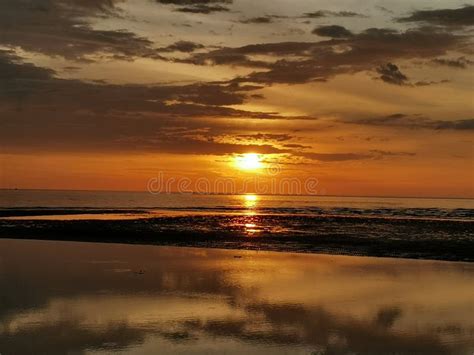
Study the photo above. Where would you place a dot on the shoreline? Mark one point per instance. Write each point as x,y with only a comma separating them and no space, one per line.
250,248
448,241
233,252
9,189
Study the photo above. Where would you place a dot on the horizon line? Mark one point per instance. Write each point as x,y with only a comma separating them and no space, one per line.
238,194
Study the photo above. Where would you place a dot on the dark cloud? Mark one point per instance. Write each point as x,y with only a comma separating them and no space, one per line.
197,6
463,16
96,5
319,61
13,69
339,157
242,55
265,137
61,28
181,46
193,2
296,146
390,73
461,62
386,317
334,157
258,20
289,32
401,120
457,125
203,9
326,13
71,68
384,153
333,31
262,19
177,145
49,113
429,82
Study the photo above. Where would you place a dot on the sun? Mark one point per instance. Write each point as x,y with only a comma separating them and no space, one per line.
248,161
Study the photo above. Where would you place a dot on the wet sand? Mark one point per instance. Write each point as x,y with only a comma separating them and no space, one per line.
415,238
95,298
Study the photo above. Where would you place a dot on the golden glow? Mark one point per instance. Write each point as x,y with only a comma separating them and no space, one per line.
250,201
251,228
251,198
248,161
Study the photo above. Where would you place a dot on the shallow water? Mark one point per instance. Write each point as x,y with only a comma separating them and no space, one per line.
65,297
88,201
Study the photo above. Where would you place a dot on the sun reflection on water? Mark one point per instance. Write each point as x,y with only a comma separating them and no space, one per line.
250,201
251,228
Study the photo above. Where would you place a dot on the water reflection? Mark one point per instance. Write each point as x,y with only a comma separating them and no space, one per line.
249,224
77,297
251,228
250,201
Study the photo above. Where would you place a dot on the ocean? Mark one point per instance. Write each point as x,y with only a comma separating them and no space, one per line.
374,226
87,201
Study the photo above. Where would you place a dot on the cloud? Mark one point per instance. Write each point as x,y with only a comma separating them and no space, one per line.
333,31
384,153
266,19
265,137
326,13
42,111
177,145
456,125
390,73
373,154
203,9
198,7
334,157
301,62
296,146
400,120
12,68
193,2
61,28
181,46
463,16
460,63
386,317
258,20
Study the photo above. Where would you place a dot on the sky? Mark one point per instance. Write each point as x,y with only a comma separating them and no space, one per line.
368,98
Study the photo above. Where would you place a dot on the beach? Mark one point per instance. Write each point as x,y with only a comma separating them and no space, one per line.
412,238
136,274
236,177
437,229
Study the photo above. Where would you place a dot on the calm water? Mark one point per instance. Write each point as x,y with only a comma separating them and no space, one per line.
308,205
80,298
404,227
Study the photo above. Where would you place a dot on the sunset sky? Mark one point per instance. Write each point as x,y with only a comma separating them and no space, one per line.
368,97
